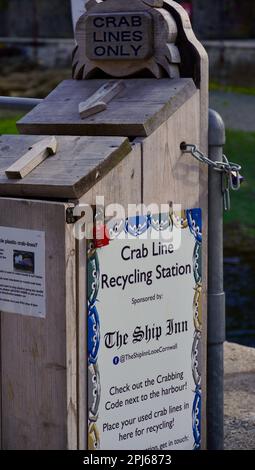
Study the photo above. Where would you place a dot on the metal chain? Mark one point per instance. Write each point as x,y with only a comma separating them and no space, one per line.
224,166
231,177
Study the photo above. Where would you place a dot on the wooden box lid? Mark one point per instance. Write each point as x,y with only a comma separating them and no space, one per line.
137,111
77,165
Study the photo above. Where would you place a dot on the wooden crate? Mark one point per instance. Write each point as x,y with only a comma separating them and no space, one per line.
44,360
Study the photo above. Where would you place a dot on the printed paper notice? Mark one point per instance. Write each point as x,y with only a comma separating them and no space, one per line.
22,272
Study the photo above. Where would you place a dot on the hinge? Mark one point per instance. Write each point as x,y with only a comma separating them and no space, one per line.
70,217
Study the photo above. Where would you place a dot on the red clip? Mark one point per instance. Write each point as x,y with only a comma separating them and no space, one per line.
101,236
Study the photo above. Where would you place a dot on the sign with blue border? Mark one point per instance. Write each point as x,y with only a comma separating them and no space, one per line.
144,334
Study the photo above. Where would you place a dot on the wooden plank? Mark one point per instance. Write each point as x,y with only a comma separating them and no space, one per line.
81,276
70,173
170,167
37,368
95,108
36,154
142,108
122,185
98,101
72,329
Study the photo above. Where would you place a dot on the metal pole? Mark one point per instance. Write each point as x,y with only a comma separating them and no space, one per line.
22,104
216,295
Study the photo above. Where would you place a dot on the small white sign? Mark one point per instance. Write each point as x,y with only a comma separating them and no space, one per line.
22,272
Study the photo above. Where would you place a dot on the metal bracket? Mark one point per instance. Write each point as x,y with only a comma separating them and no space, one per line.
70,217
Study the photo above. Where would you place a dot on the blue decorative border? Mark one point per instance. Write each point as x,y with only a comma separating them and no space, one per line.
194,217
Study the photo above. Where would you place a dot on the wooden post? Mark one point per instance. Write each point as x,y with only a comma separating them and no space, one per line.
111,313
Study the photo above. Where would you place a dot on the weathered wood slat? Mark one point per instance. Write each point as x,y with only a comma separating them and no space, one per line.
98,101
172,168
38,356
58,114
35,155
81,280
122,183
79,163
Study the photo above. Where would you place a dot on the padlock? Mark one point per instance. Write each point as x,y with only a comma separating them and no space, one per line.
236,180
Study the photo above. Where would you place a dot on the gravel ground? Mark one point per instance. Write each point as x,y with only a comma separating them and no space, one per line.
239,397
237,110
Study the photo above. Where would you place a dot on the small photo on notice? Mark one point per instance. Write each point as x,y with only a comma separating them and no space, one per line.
24,261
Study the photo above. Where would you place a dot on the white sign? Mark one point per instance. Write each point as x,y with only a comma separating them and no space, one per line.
144,342
22,272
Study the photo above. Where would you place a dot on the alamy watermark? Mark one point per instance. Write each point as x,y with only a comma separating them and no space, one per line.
162,222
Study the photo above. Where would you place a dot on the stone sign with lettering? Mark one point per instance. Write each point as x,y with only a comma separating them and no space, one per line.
122,39
118,36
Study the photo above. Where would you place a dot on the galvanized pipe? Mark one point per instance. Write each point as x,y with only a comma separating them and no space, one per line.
18,104
216,295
